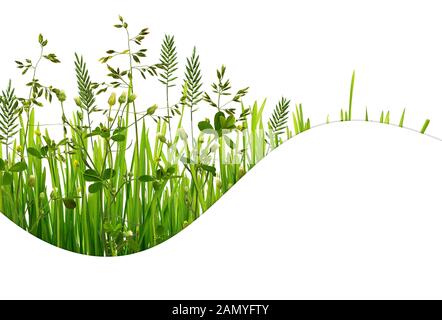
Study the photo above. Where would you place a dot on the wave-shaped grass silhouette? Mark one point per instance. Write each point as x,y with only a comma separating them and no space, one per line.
170,235
108,185
346,210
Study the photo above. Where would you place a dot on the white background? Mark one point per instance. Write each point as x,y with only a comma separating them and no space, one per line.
343,211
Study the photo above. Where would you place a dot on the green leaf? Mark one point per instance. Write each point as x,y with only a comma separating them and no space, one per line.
229,142
210,169
6,179
230,122
34,152
118,137
91,175
2,165
109,174
44,151
92,134
119,130
205,125
104,134
146,178
69,203
219,121
171,170
52,57
95,187
47,140
18,167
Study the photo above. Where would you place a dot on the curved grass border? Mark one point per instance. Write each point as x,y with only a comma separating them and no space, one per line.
98,192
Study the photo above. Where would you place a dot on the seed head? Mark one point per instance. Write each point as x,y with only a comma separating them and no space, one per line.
37,133
112,99
19,149
42,195
128,234
122,98
131,98
77,101
54,193
161,137
31,181
219,184
76,164
61,95
182,134
150,111
214,147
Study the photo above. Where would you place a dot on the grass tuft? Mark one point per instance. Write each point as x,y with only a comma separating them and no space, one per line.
118,179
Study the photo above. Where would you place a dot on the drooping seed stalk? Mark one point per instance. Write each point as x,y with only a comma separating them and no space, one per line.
27,110
31,89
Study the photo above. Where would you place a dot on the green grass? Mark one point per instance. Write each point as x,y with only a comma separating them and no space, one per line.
98,191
